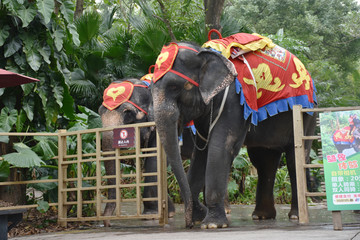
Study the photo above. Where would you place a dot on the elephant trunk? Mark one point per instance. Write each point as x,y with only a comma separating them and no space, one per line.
166,118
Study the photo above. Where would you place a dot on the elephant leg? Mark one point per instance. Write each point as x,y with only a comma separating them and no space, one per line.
196,179
215,189
290,162
227,203
266,162
110,207
219,160
151,207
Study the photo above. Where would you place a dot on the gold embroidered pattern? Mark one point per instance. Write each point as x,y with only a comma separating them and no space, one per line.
302,73
264,80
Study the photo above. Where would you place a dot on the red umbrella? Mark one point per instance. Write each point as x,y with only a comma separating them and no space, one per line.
10,79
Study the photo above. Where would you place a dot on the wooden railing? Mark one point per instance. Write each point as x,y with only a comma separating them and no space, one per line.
76,186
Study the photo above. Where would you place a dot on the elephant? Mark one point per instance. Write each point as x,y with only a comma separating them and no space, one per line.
135,108
195,83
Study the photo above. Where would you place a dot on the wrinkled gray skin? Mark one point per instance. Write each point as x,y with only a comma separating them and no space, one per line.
126,113
177,101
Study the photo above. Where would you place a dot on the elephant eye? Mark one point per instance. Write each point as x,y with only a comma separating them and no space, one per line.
129,116
174,88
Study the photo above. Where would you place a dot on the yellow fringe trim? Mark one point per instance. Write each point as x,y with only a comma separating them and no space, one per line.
253,46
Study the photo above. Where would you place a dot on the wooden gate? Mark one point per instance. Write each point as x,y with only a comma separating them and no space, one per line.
75,186
302,165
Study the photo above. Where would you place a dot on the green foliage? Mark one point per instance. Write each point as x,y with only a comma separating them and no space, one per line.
32,43
24,157
43,206
4,170
7,119
242,183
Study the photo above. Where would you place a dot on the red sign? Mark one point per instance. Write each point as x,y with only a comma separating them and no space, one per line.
124,137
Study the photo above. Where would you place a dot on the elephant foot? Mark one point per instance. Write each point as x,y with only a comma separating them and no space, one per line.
293,215
215,218
227,206
109,209
263,215
149,211
107,223
227,210
199,212
171,211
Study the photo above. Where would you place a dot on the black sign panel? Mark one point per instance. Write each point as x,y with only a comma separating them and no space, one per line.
124,137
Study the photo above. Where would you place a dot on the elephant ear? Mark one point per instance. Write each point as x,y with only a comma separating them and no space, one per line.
217,72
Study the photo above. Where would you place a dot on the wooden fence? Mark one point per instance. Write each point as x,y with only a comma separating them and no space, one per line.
72,187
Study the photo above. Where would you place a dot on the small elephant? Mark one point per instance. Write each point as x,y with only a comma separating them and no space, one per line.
123,106
191,82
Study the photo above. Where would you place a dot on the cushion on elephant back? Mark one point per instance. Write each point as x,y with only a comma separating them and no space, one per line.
270,78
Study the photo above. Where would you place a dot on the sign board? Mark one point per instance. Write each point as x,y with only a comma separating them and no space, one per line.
340,138
123,137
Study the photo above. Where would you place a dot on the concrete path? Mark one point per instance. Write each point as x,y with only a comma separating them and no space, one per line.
241,227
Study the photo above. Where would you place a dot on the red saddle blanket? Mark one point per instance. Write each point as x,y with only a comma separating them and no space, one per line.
343,136
270,78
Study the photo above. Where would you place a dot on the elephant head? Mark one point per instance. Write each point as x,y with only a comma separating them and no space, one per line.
127,102
186,78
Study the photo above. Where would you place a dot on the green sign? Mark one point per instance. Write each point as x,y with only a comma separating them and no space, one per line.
340,138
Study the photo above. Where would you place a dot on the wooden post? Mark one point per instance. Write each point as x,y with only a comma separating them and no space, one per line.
98,173
336,215
138,170
79,175
300,162
62,195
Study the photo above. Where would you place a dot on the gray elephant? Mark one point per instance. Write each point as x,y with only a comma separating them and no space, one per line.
191,82
126,102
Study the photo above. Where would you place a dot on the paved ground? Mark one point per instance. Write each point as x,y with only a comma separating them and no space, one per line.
241,227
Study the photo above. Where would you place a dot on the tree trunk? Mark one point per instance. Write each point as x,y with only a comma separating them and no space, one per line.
165,19
15,194
213,11
79,8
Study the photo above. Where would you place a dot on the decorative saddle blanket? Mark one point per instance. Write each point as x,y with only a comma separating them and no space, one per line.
119,92
343,136
270,78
